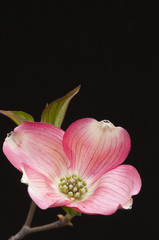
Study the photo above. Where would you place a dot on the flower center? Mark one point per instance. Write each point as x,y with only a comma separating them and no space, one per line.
73,186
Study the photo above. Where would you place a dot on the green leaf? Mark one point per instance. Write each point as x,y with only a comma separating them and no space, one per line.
54,112
71,211
17,116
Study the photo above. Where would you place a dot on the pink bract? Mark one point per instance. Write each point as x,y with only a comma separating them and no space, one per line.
80,168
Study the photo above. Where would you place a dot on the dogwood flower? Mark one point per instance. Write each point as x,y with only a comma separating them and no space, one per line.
80,168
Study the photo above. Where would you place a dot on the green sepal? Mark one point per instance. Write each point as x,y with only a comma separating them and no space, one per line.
54,112
18,116
71,211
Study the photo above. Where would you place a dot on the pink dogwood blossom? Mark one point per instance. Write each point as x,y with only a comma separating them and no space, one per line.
79,168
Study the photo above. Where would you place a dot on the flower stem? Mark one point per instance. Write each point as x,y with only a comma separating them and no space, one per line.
63,221
26,229
30,214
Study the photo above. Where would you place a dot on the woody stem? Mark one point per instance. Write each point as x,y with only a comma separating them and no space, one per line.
30,214
26,229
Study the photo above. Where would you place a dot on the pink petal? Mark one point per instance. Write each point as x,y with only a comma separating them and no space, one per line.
114,190
95,147
42,191
39,146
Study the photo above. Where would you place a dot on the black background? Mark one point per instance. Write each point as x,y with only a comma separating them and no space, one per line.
111,50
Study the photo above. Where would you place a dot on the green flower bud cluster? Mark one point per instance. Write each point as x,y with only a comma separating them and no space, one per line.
73,186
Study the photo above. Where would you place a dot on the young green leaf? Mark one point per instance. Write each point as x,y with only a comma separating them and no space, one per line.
17,116
54,112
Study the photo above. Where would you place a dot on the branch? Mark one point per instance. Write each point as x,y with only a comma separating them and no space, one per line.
26,226
26,230
30,214
63,221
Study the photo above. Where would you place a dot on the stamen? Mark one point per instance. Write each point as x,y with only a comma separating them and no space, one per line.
77,195
75,189
70,194
79,184
73,186
70,186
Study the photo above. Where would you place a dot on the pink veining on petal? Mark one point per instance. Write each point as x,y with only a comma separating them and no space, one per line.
42,191
38,145
95,147
114,190
93,150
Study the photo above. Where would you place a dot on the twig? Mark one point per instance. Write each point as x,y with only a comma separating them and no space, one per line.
26,229
30,214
